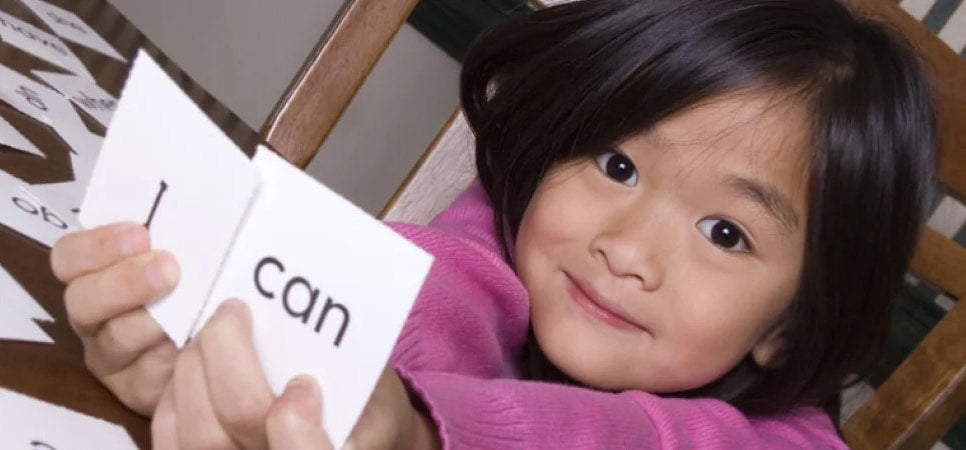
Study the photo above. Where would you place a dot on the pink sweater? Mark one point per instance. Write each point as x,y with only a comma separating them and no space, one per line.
461,346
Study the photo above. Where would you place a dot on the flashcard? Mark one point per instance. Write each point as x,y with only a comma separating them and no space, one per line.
29,423
26,216
12,138
65,197
165,164
304,260
84,148
36,100
62,198
18,309
68,26
24,94
15,326
40,43
84,93
9,287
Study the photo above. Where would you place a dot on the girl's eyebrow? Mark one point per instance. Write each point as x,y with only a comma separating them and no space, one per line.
770,197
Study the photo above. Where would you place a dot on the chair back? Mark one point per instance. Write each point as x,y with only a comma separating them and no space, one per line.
926,394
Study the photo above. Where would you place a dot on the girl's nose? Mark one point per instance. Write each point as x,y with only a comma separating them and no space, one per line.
631,251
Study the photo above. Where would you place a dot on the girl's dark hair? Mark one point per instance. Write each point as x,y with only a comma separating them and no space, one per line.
569,81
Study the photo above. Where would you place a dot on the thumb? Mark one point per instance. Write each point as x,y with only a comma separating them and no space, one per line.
293,419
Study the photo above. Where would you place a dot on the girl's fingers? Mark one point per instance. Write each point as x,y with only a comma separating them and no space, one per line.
237,386
164,423
293,420
88,251
140,384
198,426
128,285
122,340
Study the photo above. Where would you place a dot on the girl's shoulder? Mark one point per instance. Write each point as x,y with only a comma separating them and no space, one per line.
464,231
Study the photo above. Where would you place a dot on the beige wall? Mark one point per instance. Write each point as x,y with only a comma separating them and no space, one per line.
245,52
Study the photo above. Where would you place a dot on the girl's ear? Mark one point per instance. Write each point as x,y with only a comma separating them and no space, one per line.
768,351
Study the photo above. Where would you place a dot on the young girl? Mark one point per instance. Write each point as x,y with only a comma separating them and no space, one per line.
690,220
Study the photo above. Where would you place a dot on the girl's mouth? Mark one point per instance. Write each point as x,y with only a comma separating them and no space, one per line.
599,307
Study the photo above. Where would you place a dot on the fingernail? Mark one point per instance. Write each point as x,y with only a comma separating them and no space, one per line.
301,392
300,385
162,272
234,306
131,241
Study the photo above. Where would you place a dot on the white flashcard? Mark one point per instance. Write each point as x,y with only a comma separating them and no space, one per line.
165,164
14,326
29,423
40,43
84,149
10,288
68,26
36,100
11,137
65,197
24,94
62,198
18,309
84,93
306,261
26,215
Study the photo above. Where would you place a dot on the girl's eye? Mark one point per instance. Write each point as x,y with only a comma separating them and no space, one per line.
618,167
724,234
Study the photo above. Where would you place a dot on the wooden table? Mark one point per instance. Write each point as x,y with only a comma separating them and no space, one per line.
56,373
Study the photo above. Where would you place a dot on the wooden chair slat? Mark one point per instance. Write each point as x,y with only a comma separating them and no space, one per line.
446,168
923,398
942,262
321,91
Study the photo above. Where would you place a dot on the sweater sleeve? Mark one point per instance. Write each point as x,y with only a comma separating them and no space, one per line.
473,412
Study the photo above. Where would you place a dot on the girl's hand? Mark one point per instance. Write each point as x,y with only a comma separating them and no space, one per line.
389,420
111,274
219,398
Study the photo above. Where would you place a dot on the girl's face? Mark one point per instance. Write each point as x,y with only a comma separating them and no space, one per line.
661,264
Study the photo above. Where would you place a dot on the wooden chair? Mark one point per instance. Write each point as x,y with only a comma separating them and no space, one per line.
921,399
926,394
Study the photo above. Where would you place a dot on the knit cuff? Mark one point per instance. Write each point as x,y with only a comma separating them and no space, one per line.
467,415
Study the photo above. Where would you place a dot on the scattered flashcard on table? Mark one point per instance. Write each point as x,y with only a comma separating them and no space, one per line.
68,26
62,198
40,43
18,309
14,326
84,149
29,423
84,93
10,287
304,261
12,138
36,100
165,164
24,94
26,216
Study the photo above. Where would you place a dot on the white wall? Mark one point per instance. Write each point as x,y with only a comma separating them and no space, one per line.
245,53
